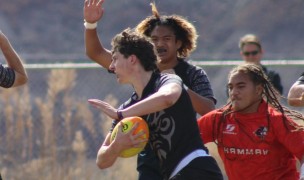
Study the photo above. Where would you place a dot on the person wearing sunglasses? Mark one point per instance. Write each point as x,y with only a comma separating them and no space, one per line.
252,52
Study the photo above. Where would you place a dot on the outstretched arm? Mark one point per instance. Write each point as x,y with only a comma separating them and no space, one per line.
93,12
14,63
165,97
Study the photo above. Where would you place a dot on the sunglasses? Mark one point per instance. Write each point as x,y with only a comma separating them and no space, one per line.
253,53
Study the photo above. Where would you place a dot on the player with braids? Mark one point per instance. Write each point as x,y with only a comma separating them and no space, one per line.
257,137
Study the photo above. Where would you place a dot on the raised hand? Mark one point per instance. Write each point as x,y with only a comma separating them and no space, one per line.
92,10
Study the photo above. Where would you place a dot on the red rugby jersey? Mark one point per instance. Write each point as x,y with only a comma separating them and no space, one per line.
251,147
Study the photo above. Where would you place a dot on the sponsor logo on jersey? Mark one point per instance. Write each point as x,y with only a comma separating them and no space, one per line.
244,151
230,129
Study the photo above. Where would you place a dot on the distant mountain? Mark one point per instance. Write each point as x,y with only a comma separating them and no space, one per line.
45,30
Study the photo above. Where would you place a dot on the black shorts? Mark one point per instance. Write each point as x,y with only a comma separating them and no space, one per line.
200,168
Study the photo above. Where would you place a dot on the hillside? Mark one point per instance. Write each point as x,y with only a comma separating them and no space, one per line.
53,30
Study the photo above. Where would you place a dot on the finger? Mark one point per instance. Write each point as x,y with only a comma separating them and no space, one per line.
139,134
140,143
86,3
100,2
95,101
133,128
120,126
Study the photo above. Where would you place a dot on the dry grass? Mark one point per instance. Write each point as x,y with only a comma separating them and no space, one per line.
52,145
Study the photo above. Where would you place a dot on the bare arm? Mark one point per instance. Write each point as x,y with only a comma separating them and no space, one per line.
109,152
93,12
165,97
13,61
201,105
296,95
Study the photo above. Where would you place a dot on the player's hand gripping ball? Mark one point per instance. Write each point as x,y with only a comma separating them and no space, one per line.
128,123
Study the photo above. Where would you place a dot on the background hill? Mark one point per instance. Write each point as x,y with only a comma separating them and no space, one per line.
53,30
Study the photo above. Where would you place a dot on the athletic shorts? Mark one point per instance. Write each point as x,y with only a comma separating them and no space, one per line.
199,169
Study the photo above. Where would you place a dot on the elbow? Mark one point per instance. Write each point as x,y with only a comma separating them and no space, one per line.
170,99
102,164
24,80
21,80
290,102
293,102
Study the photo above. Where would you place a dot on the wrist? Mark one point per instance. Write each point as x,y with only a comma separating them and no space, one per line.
88,25
119,115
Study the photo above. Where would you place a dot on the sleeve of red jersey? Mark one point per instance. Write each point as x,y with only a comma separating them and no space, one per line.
291,138
205,124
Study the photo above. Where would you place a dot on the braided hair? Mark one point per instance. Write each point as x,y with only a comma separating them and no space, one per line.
270,95
182,28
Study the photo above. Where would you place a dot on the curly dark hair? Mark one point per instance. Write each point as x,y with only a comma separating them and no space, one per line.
182,28
130,42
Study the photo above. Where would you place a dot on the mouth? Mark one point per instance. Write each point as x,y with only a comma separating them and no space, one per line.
161,51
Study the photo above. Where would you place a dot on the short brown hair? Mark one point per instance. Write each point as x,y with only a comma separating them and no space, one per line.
250,39
130,42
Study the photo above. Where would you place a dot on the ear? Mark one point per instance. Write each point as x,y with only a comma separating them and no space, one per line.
179,44
259,89
133,58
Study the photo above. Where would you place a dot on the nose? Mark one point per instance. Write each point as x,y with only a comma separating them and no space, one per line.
233,92
158,43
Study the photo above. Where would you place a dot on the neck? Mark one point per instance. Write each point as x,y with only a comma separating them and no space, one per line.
140,83
163,65
252,108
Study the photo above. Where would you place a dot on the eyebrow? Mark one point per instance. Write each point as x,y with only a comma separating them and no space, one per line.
169,35
239,83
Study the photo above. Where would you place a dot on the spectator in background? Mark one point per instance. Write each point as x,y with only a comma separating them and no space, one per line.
296,93
174,38
15,74
164,104
252,52
256,136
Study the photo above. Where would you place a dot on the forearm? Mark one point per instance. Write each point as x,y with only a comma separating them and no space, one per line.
201,105
107,154
295,95
156,102
95,50
296,102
